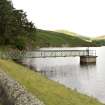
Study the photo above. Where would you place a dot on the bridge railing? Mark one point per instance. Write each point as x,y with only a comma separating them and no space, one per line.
46,53
63,53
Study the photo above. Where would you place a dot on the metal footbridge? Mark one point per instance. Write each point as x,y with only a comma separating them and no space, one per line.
46,53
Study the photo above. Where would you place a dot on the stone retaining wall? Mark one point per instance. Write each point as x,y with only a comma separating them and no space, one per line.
13,93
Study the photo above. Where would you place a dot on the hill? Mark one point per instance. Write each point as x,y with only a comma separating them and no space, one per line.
99,41
56,39
102,37
67,32
74,34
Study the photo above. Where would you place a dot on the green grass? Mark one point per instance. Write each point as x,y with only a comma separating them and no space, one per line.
99,41
56,39
50,92
73,34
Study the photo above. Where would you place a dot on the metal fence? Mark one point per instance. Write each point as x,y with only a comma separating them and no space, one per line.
46,53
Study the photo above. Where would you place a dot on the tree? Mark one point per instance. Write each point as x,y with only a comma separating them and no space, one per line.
13,24
5,15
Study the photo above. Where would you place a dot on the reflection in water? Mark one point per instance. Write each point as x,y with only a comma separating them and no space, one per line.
88,79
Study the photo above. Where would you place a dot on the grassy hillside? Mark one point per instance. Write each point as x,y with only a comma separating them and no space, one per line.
56,39
74,34
99,41
50,92
100,37
67,32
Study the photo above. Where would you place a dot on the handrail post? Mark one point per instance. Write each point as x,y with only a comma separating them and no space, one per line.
87,50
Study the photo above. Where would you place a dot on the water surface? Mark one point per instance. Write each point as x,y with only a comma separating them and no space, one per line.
87,79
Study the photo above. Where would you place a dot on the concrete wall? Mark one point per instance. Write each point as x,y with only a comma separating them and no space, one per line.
88,59
12,93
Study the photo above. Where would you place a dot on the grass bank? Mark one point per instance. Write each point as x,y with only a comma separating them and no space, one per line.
50,92
46,38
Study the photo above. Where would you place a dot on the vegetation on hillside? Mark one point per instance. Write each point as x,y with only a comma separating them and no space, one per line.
50,92
100,37
55,39
74,34
15,29
100,42
17,32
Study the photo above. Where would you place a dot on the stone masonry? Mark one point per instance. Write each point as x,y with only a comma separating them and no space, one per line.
15,94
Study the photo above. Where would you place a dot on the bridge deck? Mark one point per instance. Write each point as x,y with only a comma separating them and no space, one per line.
46,53
64,53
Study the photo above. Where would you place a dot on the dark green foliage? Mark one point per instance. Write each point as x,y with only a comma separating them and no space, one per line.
5,15
20,43
14,25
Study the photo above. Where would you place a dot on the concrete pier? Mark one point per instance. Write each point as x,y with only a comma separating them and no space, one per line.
87,59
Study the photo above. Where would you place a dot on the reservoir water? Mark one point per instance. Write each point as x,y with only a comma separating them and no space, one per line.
87,79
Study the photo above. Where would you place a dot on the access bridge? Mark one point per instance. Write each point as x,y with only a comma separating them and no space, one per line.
88,56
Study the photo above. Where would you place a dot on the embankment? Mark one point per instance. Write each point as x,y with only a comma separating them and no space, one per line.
12,93
50,92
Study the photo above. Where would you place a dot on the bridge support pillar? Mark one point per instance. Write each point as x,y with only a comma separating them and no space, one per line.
87,59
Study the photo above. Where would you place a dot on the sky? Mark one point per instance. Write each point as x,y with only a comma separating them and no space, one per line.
86,17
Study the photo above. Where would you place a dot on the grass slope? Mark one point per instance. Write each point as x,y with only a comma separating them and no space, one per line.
74,34
50,92
99,41
102,37
56,39
67,32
